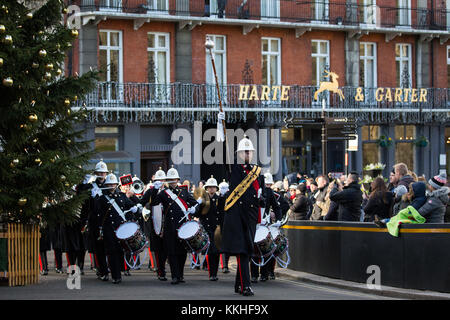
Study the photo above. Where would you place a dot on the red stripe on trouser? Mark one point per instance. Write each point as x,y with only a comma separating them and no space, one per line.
67,258
90,258
40,262
96,260
207,263
125,263
221,260
240,272
151,258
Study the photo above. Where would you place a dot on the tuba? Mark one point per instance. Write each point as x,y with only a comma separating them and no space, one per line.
206,203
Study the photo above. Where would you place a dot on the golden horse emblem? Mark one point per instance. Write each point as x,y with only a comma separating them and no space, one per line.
332,85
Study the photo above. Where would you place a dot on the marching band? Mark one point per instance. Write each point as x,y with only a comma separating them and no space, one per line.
118,222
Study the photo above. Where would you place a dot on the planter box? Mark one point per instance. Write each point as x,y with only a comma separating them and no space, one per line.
21,255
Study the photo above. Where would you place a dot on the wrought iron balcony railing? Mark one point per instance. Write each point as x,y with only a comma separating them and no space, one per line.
431,104
296,11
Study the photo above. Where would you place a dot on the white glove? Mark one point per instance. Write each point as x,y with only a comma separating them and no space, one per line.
157,184
191,210
96,192
259,193
199,200
134,209
223,190
139,206
221,116
277,224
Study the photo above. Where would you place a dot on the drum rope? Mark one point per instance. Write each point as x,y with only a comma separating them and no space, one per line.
193,253
284,264
134,267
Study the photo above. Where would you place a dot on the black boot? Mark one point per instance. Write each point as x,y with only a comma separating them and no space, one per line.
248,292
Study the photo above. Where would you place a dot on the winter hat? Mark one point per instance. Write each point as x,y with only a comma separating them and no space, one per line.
438,181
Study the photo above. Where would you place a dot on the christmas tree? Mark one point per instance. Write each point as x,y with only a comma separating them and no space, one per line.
42,154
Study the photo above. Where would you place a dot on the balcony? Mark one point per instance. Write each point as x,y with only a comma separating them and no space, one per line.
283,13
147,102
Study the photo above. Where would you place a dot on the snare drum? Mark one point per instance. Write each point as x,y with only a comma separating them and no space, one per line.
280,240
131,238
158,219
195,236
263,243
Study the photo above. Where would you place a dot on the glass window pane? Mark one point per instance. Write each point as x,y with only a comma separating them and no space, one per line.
370,50
399,132
102,39
151,40
162,68
410,132
314,47
365,133
397,50
219,43
274,45
264,70
114,39
151,68
314,72
370,74
323,47
114,65
404,152
107,130
448,76
362,51
107,144
374,132
361,73
265,45
219,67
162,41
273,70
103,65
371,153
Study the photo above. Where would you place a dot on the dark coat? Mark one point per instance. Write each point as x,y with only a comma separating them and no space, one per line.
211,220
241,219
93,217
272,203
320,196
156,241
172,216
284,204
44,241
349,201
300,207
377,206
110,220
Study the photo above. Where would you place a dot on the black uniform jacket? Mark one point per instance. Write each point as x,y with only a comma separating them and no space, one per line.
172,216
110,220
240,220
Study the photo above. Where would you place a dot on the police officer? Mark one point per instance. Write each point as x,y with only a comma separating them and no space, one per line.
271,206
210,220
242,212
177,204
113,206
157,245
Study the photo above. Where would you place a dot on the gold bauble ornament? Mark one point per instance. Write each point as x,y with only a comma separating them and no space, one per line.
58,46
49,66
75,98
68,112
52,160
47,76
8,82
16,161
22,202
67,102
64,11
67,184
2,28
58,72
68,141
37,160
74,33
32,117
8,39
63,178
42,53
35,140
35,65
1,62
29,15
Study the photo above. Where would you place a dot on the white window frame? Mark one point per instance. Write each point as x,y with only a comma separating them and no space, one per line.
448,13
317,71
211,92
401,5
401,59
105,5
272,10
370,12
108,49
153,4
370,91
318,16
272,53
162,92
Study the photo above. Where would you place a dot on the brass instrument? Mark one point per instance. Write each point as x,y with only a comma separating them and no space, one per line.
137,186
206,202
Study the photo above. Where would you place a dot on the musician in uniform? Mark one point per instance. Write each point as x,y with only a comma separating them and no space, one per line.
178,204
242,212
157,245
111,207
223,189
271,205
92,223
210,217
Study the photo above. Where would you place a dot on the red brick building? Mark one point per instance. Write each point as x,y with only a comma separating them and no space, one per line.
157,77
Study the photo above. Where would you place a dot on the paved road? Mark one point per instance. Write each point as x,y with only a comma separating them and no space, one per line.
143,284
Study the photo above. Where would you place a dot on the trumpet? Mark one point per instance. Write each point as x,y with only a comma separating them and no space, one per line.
137,186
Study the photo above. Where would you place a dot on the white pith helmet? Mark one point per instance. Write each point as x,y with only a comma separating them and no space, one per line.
268,179
172,175
245,145
101,167
211,183
111,179
224,184
160,175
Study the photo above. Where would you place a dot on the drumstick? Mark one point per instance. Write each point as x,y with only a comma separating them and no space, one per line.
186,216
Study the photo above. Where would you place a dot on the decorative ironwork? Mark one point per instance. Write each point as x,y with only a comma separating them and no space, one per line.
247,73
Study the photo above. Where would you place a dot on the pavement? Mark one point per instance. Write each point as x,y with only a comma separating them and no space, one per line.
385,291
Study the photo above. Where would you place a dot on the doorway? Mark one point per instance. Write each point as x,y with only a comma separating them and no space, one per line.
151,162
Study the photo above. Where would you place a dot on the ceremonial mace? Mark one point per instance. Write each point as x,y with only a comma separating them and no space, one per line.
209,44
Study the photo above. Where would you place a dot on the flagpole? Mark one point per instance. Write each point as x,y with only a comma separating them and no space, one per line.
209,45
